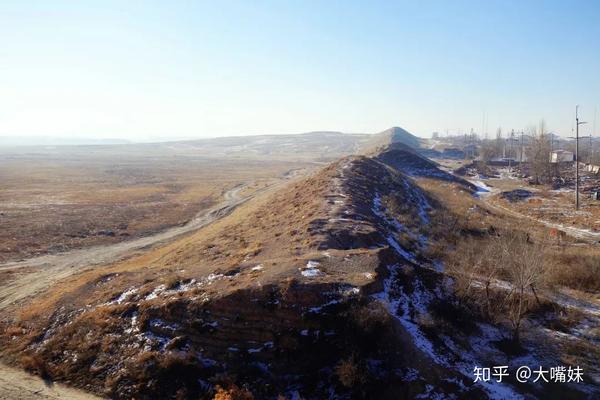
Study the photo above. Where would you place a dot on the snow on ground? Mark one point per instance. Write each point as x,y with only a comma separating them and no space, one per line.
419,198
154,294
482,188
311,270
407,309
159,323
507,173
124,296
379,210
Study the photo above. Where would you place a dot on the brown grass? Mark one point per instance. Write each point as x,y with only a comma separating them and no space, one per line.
349,373
35,364
577,269
233,392
55,203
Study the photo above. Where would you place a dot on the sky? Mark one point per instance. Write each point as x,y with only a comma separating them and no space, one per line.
171,69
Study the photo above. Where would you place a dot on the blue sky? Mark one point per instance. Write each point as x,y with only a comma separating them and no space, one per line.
140,69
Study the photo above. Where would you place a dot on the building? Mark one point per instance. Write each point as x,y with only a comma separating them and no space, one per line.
559,156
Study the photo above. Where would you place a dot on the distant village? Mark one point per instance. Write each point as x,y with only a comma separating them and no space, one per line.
539,156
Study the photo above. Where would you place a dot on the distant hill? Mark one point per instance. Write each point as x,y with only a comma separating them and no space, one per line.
389,137
319,146
9,141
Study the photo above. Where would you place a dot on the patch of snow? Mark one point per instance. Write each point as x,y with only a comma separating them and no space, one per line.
259,267
411,375
482,188
211,278
319,308
181,287
159,323
353,291
152,338
311,270
134,327
154,294
379,210
124,296
392,242
398,304
311,273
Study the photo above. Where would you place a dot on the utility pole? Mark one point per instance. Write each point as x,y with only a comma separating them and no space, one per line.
510,154
593,134
521,155
591,151
483,128
577,123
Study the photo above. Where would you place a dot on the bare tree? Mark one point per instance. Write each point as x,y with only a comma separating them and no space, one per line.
523,263
475,269
499,142
489,150
478,266
538,153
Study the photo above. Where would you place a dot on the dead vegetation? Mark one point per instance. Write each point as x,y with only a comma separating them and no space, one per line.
234,392
575,268
56,200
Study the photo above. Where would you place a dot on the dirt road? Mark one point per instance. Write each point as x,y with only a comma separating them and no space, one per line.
19,385
577,233
489,196
35,274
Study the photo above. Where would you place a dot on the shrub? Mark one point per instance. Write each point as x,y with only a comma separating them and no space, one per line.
172,282
576,271
477,266
370,317
349,373
234,392
34,364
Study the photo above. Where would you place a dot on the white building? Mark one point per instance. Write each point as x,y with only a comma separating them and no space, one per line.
558,156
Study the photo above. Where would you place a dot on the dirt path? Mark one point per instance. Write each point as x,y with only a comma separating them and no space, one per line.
19,385
30,276
577,233
489,194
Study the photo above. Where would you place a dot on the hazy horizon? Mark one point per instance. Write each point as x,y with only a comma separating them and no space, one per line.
196,70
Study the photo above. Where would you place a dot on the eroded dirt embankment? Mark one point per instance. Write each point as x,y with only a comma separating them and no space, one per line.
274,297
324,288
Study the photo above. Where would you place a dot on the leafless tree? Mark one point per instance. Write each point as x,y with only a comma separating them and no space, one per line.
475,268
499,276
523,263
499,142
538,153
